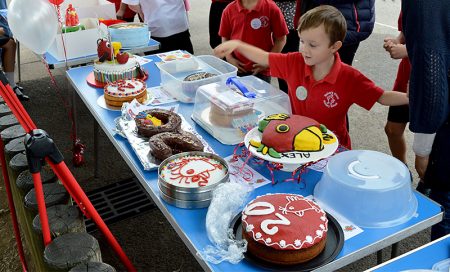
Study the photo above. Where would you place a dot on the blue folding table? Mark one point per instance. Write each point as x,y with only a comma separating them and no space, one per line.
423,257
190,224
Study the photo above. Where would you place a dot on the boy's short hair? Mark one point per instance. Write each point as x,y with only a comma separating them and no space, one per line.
331,18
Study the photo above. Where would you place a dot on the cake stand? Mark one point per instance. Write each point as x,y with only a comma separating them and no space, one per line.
290,160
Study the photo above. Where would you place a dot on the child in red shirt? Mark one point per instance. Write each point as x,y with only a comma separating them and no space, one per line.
257,22
320,86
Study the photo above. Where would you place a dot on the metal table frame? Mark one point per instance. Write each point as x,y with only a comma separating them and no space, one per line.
189,224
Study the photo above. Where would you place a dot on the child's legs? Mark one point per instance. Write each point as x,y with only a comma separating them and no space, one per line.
177,41
215,15
398,117
8,46
347,53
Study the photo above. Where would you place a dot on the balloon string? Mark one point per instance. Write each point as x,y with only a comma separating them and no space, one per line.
64,101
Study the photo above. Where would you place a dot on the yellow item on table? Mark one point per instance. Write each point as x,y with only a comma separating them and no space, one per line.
116,47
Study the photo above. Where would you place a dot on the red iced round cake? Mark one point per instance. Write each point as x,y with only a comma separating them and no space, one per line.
284,229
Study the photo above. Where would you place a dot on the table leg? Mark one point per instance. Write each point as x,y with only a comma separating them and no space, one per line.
95,149
379,256
394,250
19,72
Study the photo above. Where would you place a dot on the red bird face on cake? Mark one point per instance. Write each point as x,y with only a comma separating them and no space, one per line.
283,133
104,50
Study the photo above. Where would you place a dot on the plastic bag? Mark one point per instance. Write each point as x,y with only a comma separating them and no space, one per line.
228,199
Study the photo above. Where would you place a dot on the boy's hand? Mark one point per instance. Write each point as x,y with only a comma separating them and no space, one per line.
236,63
226,48
2,31
398,51
258,68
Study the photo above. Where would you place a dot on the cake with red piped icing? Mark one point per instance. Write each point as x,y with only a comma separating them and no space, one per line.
120,91
193,171
284,229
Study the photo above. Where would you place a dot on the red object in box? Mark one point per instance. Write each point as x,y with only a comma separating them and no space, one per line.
72,16
109,22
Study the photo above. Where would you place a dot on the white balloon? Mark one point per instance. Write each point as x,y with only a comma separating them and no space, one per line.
34,23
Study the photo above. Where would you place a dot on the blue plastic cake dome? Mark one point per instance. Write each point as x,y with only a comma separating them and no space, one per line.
369,188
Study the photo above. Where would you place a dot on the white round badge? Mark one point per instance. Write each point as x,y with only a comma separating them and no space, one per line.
256,23
301,93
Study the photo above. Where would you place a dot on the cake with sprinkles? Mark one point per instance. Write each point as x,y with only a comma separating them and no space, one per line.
120,91
284,229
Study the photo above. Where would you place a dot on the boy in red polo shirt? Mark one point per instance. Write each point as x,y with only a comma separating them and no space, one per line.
320,86
257,22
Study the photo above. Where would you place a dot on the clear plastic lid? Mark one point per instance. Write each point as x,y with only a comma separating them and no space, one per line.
228,109
369,188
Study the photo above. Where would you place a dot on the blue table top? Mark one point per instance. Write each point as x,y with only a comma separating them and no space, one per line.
190,224
421,258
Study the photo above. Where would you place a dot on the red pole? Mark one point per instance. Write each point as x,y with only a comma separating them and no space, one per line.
12,209
41,207
66,177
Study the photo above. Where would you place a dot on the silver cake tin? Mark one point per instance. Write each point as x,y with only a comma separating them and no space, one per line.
183,197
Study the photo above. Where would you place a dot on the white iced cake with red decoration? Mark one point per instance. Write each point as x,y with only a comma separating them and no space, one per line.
112,70
193,171
120,91
284,229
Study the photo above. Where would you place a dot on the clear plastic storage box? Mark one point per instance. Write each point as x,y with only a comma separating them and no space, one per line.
174,74
228,113
370,188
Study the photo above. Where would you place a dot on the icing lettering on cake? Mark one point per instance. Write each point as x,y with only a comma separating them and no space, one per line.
193,171
285,221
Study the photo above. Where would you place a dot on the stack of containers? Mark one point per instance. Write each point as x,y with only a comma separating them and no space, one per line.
173,75
187,180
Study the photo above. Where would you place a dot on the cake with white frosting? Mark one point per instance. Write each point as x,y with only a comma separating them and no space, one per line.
193,171
284,229
120,91
109,71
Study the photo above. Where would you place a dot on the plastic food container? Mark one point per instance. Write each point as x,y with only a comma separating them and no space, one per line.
174,73
443,265
180,178
369,188
228,113
130,34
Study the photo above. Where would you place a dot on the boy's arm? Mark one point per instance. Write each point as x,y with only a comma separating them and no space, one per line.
234,61
278,44
251,52
393,98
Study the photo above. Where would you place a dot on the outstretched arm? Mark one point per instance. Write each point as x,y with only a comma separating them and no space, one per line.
393,98
251,52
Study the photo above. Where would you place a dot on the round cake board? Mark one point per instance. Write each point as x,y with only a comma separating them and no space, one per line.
102,103
335,242
90,79
290,160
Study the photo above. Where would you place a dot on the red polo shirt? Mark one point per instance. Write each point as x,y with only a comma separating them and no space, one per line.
327,100
255,27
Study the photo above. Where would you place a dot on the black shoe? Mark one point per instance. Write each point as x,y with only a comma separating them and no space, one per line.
19,92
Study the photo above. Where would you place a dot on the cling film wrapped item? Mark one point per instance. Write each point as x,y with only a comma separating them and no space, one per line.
228,200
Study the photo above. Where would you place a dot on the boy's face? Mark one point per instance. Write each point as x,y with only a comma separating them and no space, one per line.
315,46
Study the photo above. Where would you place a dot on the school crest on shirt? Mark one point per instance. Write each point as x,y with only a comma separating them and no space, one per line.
331,99
262,21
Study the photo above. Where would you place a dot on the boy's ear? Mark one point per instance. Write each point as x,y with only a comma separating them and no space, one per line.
336,46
